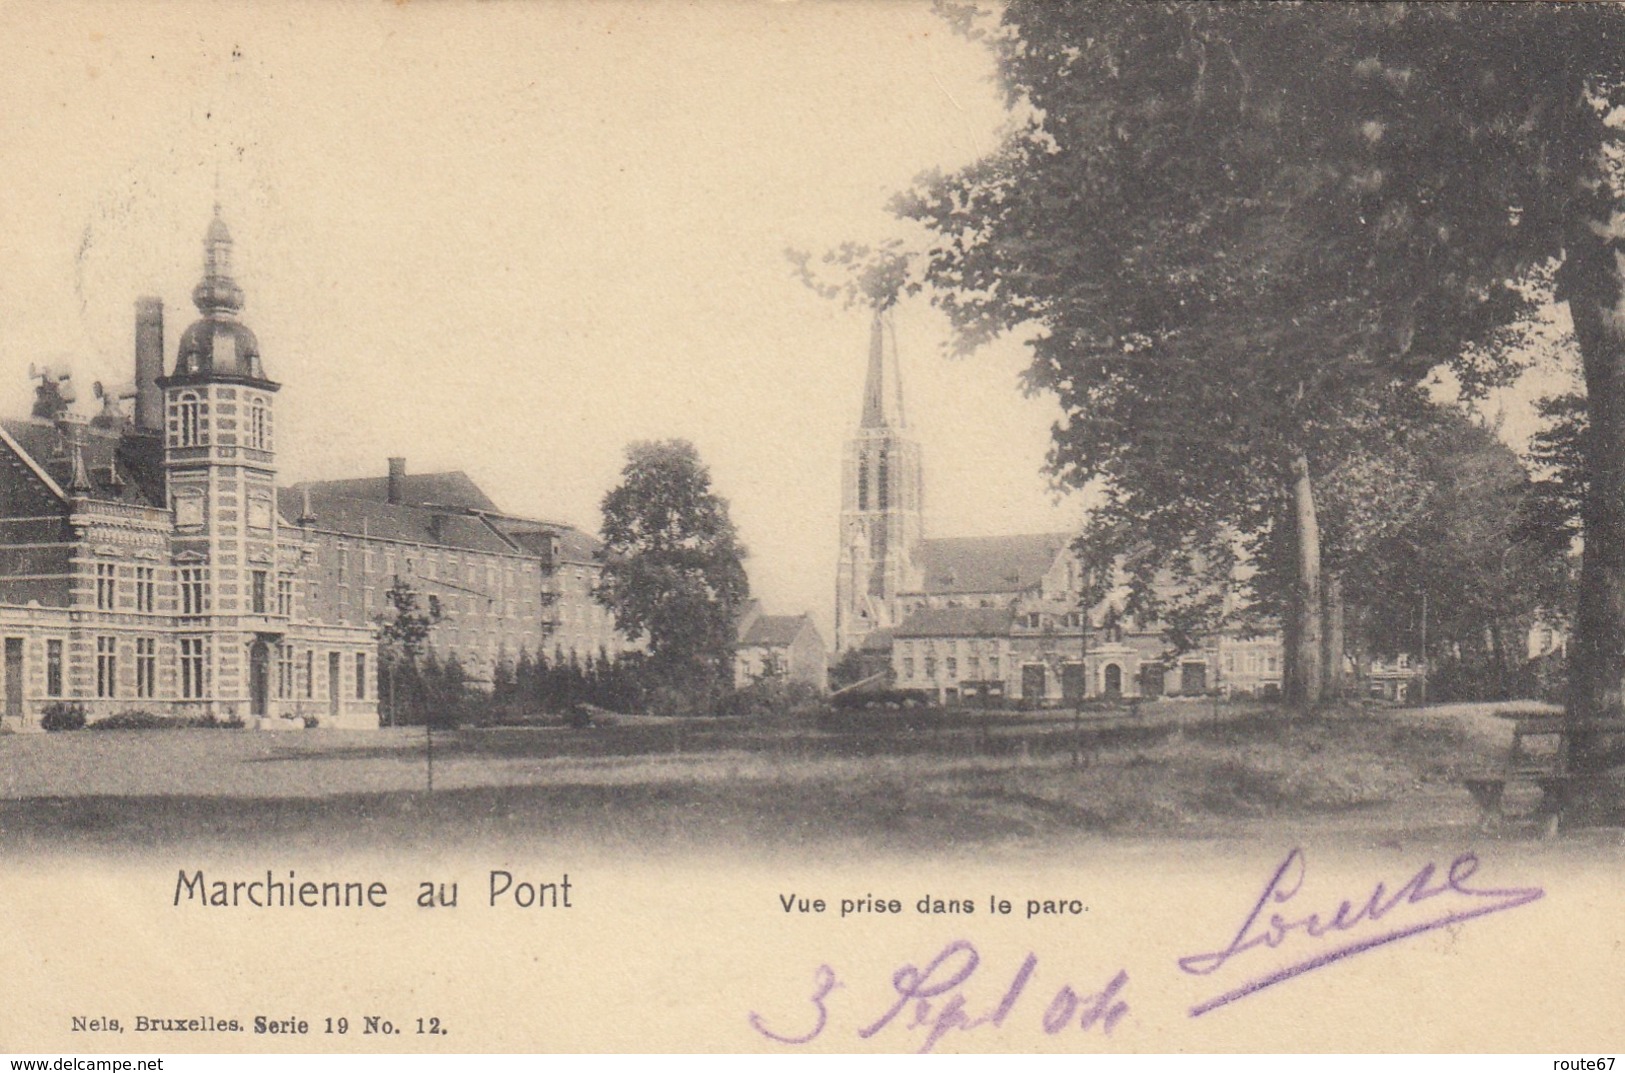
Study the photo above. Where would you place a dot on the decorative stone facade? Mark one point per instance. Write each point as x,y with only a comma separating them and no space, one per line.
149,561
143,562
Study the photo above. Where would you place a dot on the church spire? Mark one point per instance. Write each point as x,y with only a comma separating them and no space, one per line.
882,518
883,391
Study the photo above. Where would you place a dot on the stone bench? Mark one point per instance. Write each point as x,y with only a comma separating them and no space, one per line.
1563,793
1522,764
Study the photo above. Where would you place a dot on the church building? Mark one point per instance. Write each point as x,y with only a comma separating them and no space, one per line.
149,561
991,619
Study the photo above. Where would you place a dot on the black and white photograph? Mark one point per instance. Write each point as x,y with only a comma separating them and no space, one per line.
811,526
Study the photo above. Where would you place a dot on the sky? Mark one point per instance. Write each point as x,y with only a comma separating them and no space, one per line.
512,238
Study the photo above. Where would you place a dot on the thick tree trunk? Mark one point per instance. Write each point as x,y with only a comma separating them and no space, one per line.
1334,655
1307,677
1498,653
1289,647
1593,284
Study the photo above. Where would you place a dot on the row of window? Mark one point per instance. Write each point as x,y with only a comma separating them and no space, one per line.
973,667
190,424
1038,620
431,567
192,667
194,590
581,617
1253,663
146,587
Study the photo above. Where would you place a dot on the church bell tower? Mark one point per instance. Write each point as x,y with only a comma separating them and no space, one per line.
881,493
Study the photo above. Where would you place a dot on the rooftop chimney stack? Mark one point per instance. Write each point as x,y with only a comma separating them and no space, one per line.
397,480
149,364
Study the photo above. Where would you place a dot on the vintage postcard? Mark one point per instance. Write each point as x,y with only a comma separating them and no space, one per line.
809,527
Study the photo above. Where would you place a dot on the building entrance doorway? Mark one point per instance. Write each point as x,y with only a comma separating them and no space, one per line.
259,679
14,677
1032,682
1114,681
1072,682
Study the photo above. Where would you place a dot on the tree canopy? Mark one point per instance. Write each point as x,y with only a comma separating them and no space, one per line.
1463,547
674,569
1245,231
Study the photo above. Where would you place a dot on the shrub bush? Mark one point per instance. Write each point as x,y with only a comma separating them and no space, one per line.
882,699
138,719
697,698
773,697
141,719
60,716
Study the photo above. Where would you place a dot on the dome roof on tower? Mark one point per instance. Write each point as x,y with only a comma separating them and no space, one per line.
213,347
218,345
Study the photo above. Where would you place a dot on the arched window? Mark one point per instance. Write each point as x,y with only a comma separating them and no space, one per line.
191,420
259,426
863,482
883,481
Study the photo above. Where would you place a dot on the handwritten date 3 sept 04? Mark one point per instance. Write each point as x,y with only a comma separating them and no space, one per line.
1311,933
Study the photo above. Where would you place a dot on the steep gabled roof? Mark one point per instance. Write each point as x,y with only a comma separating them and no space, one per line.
394,521
451,489
775,630
988,564
956,622
878,641
137,460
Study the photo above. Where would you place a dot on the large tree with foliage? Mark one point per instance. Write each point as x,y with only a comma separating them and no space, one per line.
1462,562
1235,223
673,567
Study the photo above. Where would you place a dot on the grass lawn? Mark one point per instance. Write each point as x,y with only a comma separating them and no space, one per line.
1172,772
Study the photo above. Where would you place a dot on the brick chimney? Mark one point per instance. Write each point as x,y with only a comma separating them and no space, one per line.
397,480
149,363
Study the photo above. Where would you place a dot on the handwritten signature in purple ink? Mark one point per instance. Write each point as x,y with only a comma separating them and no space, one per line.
933,1000
1458,901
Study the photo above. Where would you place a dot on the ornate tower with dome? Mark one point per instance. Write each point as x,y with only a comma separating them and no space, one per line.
150,565
144,565
234,565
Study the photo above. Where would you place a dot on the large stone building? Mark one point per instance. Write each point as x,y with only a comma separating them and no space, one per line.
148,560
501,584
972,618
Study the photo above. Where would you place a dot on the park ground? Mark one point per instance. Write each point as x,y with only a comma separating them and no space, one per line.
1369,777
